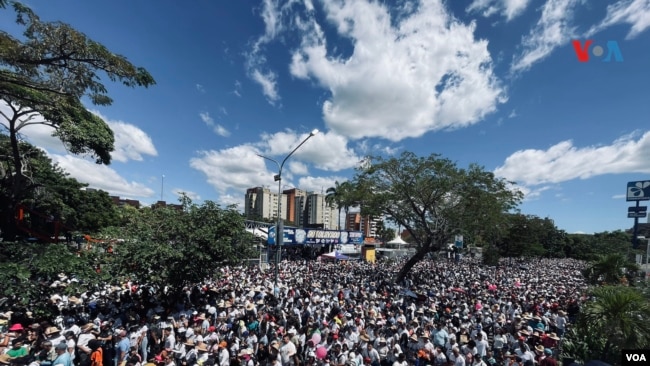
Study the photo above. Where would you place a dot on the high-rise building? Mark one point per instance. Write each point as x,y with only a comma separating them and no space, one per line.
318,212
262,203
295,205
354,221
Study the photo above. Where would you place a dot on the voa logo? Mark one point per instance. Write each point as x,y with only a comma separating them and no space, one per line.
635,357
582,50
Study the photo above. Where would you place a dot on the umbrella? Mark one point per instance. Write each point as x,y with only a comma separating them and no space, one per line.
409,293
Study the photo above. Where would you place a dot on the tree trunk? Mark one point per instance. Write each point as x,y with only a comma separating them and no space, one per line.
15,188
409,264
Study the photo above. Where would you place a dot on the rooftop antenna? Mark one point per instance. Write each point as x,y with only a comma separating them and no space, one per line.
162,187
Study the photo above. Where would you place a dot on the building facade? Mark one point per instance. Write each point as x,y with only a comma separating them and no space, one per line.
261,203
354,221
299,208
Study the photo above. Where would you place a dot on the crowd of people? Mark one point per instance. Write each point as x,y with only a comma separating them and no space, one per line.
317,313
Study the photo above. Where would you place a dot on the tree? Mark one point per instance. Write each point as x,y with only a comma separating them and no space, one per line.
165,246
337,197
42,81
434,200
27,271
616,318
609,268
385,234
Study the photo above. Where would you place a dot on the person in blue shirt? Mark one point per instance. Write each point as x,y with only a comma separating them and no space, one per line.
62,355
122,348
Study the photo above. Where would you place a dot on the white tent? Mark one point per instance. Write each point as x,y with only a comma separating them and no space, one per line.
398,240
259,233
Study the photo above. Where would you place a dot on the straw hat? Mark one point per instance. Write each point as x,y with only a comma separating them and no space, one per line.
201,347
5,359
276,346
189,343
539,348
87,327
250,306
553,335
52,330
364,338
221,304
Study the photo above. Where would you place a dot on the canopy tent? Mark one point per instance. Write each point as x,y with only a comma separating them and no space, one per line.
259,233
397,240
335,255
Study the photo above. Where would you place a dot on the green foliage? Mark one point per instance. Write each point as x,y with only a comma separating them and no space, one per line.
43,77
383,233
28,269
609,268
615,318
169,247
340,196
491,255
434,200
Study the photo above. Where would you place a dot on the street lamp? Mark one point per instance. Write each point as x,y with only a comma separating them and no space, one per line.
279,227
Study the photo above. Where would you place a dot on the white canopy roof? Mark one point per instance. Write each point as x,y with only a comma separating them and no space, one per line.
397,240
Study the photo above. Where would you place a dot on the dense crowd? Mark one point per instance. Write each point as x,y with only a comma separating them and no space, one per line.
320,313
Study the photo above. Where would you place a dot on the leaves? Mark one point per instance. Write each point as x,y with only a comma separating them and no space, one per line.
433,199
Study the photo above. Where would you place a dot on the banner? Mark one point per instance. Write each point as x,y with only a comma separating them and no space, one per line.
294,236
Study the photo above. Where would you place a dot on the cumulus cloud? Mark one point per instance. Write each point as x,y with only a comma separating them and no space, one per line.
131,143
422,72
216,128
319,184
636,13
101,177
509,9
191,195
236,168
268,81
552,30
564,161
327,151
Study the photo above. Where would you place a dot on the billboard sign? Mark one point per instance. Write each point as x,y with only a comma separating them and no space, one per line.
459,241
638,191
296,236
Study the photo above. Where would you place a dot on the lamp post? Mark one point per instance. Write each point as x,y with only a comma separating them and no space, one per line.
279,227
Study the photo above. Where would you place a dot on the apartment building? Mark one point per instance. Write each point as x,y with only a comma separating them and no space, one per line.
262,203
354,221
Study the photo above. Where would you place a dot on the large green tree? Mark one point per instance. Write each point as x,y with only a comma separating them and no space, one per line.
434,200
43,77
338,197
167,246
609,269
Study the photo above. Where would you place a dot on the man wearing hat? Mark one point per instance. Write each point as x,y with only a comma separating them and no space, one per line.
548,359
82,343
223,354
62,355
53,334
122,348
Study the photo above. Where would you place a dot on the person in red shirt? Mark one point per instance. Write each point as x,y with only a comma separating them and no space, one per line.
548,360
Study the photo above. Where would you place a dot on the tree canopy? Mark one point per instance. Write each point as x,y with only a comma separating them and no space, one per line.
434,200
43,78
166,246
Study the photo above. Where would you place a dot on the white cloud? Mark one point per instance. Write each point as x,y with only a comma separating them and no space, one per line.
191,195
217,128
552,30
268,81
327,151
318,184
237,90
131,143
200,88
636,13
235,168
298,168
618,196
509,9
405,77
100,177
564,162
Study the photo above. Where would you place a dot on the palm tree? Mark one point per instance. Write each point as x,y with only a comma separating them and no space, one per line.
609,268
339,196
619,316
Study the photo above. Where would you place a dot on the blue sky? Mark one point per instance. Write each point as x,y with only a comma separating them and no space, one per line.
496,82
